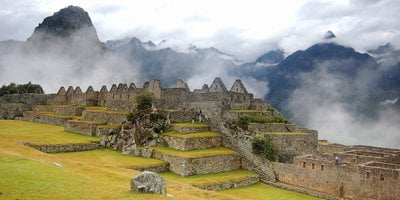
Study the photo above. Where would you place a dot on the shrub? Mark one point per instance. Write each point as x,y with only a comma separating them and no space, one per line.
144,102
264,145
13,88
242,123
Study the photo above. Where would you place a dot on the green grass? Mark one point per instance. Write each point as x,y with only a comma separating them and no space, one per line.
188,124
107,156
109,112
95,108
191,135
37,133
53,114
195,153
259,118
208,179
26,173
261,191
243,111
87,122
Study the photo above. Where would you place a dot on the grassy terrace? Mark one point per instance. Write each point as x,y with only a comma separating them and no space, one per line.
106,156
188,124
191,135
94,108
53,114
13,131
109,111
110,126
87,122
195,153
243,111
26,173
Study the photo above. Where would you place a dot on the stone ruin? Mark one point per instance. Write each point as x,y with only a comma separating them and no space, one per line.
321,169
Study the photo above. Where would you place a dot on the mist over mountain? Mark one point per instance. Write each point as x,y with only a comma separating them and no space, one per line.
328,86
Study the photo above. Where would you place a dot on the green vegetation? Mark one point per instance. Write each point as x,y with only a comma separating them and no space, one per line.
195,125
109,112
110,126
192,135
95,108
144,101
26,173
195,153
53,114
87,122
13,88
106,156
264,145
39,133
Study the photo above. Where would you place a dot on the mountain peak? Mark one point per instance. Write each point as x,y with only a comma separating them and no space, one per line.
329,35
271,57
382,49
65,23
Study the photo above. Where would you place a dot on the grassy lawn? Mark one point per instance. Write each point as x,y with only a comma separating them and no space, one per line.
191,135
188,124
195,153
26,173
106,157
14,131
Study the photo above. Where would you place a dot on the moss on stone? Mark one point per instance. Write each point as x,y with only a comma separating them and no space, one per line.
192,135
195,153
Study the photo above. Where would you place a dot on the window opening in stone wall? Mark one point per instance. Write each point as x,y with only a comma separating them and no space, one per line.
304,164
322,167
313,166
382,178
368,175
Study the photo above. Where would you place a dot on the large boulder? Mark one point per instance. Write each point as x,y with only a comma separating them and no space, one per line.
149,182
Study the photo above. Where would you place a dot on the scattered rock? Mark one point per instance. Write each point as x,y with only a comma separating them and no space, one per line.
149,182
58,165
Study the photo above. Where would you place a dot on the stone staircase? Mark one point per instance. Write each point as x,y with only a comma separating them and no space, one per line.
193,150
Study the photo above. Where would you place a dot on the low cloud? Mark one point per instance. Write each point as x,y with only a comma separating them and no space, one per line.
334,104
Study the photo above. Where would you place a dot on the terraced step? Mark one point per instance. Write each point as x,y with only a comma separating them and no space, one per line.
219,181
192,141
82,126
104,116
202,161
190,127
47,117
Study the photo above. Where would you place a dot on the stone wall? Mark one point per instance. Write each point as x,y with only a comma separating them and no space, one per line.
203,165
108,117
60,148
69,110
272,127
188,144
301,143
348,181
82,127
13,105
45,118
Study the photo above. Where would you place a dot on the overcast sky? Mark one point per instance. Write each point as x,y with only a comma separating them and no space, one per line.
245,29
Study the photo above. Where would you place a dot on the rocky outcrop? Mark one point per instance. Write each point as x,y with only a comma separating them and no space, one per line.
149,182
